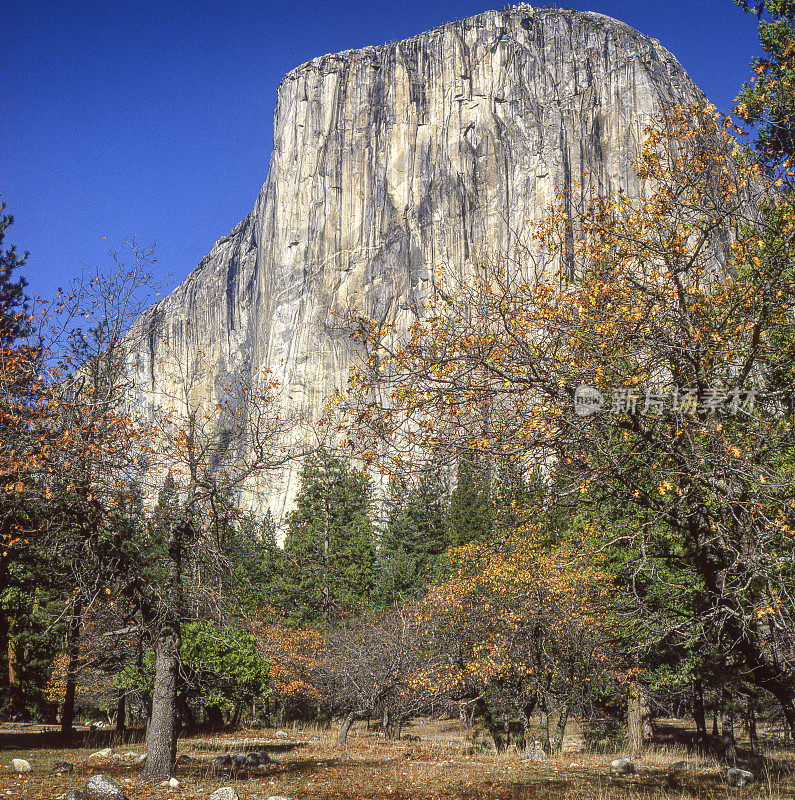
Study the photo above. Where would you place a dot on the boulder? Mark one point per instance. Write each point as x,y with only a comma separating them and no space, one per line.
221,762
622,766
101,787
252,760
171,783
281,735
738,777
140,759
534,755
264,758
239,760
63,766
184,759
107,752
20,765
74,794
225,793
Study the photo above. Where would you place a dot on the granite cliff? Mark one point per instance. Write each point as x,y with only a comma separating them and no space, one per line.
388,160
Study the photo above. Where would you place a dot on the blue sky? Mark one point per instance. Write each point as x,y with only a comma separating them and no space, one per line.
154,119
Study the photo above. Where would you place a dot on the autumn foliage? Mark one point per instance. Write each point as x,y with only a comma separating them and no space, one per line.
676,307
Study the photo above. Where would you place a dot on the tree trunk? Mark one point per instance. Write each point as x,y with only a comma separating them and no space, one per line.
73,655
491,725
237,712
342,736
213,718
728,744
544,725
186,719
698,712
560,728
121,711
385,722
525,713
647,717
789,716
753,735
161,737
635,720
16,693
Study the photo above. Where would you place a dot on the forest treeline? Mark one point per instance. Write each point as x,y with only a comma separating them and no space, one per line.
565,491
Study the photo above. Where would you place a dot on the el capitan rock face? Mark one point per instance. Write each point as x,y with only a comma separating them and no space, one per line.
388,160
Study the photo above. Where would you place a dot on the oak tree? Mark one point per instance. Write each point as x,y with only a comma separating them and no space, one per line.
651,373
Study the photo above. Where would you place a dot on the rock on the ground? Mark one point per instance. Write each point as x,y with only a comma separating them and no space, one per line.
738,777
101,787
74,794
63,766
278,797
264,758
534,755
184,759
225,793
281,735
107,752
20,765
171,783
140,759
622,766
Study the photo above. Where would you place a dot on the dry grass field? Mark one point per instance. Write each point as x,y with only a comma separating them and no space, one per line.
444,763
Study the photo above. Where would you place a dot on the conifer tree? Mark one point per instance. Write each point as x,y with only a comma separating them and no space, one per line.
469,517
414,538
329,559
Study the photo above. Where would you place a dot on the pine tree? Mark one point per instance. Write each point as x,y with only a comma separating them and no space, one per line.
20,388
14,321
329,559
413,540
469,517
254,557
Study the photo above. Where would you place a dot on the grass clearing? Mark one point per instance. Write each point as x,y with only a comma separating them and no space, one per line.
441,765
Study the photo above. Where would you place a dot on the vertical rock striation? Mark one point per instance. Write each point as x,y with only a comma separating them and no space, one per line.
388,160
